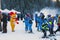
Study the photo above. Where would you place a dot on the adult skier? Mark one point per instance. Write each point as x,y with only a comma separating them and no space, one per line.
28,23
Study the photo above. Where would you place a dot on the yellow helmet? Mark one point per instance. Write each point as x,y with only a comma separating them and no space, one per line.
52,16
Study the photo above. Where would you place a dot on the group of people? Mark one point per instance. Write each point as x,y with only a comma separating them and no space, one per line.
47,24
3,21
42,24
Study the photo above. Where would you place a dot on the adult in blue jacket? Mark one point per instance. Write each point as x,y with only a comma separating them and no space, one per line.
40,21
45,28
28,23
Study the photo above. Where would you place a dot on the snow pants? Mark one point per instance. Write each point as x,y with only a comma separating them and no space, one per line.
39,26
28,27
44,31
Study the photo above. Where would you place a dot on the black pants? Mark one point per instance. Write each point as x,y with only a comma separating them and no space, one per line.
0,27
44,31
51,30
4,26
58,29
36,23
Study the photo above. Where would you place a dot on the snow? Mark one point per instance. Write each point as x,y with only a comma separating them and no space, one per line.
20,33
8,11
15,11
49,10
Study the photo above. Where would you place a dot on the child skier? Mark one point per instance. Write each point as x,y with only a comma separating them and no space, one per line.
45,28
28,23
53,19
50,25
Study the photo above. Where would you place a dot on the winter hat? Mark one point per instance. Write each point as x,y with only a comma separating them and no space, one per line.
11,13
28,15
41,14
49,15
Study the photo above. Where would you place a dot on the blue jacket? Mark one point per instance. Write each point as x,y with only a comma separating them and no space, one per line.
45,25
39,20
26,20
52,21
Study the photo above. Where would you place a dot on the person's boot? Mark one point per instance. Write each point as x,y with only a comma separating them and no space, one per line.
43,36
46,37
50,35
30,31
53,35
54,32
4,31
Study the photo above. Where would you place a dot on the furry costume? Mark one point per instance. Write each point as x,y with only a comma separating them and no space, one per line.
13,19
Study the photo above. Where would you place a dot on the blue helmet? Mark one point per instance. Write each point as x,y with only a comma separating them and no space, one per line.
42,15
49,15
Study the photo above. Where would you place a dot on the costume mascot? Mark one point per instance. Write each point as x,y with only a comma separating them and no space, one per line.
13,20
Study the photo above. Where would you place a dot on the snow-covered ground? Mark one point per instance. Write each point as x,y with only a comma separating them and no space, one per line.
20,33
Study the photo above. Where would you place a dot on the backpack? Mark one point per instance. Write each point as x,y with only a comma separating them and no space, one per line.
30,21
